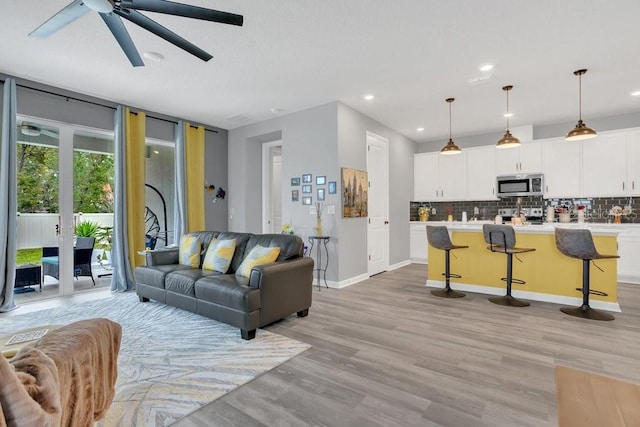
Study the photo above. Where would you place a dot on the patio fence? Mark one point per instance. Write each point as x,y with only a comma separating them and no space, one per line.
36,230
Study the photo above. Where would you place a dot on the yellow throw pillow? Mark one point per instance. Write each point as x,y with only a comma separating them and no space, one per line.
219,254
259,255
189,253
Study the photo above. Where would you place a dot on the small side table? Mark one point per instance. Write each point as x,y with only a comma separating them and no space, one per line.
27,275
315,241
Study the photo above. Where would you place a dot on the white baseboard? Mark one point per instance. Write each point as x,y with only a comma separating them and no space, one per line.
419,260
635,280
533,296
343,283
399,265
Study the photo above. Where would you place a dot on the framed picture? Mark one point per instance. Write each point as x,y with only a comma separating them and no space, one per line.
332,187
295,195
295,182
306,178
320,194
354,193
306,188
321,180
306,200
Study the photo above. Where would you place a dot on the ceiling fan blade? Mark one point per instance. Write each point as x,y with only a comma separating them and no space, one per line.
49,133
119,31
188,11
70,13
157,29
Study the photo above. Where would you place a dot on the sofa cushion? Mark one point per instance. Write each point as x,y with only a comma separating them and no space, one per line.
190,247
183,281
219,255
241,243
228,290
290,246
259,255
154,275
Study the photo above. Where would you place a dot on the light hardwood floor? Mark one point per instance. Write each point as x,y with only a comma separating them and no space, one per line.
385,352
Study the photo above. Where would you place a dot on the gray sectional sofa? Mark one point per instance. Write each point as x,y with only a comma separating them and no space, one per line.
272,291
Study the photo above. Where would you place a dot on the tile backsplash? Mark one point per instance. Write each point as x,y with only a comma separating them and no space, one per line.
596,208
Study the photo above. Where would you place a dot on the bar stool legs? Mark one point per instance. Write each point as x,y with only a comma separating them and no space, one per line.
585,311
447,292
508,300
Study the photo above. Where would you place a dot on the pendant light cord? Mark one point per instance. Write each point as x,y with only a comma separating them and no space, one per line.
580,97
507,110
449,121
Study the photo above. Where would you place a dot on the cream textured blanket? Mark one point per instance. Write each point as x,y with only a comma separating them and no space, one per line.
67,378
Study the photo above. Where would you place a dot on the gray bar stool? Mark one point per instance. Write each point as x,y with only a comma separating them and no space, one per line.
579,244
502,238
438,237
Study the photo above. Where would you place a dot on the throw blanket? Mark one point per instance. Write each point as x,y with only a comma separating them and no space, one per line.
67,378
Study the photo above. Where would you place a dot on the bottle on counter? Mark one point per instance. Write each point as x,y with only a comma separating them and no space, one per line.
498,219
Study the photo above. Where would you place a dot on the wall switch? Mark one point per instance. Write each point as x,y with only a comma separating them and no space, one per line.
433,211
331,209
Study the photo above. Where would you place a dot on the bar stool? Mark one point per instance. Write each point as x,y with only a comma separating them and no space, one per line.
502,238
438,237
579,244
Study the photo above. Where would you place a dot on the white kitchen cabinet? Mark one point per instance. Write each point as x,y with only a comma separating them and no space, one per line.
452,176
425,176
418,242
562,165
629,250
527,158
438,177
604,165
633,163
481,173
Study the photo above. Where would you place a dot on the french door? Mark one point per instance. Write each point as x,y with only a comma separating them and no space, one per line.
65,177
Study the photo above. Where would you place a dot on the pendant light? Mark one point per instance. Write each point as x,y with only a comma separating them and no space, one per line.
508,140
581,131
451,147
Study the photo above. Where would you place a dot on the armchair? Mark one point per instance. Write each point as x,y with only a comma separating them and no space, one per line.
81,259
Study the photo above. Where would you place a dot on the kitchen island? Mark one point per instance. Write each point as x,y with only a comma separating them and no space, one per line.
549,275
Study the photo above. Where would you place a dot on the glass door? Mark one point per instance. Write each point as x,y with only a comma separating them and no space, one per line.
65,181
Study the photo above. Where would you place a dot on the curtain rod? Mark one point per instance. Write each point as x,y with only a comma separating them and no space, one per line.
99,104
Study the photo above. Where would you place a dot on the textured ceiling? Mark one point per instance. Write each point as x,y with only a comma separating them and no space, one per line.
292,55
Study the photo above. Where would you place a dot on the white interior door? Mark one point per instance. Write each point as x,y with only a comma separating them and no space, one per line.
271,187
378,206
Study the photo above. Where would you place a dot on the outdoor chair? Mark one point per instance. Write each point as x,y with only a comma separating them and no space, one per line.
82,254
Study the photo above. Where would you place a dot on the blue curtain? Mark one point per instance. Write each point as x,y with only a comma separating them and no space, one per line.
8,197
180,205
122,279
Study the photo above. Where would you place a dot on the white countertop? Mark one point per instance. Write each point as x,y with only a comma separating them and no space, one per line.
546,228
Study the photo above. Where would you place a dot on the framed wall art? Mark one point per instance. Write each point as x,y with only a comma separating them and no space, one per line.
295,195
321,180
320,196
295,182
306,200
306,188
306,178
332,187
354,193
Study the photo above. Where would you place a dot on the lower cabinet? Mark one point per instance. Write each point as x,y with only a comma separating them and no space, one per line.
418,242
628,249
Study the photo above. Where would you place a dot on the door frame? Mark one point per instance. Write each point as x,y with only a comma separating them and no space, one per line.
267,171
385,198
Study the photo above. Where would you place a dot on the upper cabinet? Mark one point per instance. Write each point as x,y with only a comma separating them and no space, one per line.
561,168
604,161
527,158
481,173
438,177
633,163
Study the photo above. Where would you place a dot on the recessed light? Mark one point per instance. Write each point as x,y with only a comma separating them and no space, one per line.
486,67
154,56
156,152
368,97
508,114
420,129
636,93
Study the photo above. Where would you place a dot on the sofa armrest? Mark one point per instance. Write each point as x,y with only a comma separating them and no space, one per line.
285,287
163,256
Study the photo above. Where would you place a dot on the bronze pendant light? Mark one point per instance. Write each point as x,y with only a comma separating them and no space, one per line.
508,140
581,131
451,147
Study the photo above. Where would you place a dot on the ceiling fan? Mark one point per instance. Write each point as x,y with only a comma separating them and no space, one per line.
112,10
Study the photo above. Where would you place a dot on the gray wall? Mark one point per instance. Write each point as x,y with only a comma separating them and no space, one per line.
319,141
215,167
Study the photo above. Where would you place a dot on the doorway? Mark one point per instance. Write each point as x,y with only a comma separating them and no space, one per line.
272,187
378,221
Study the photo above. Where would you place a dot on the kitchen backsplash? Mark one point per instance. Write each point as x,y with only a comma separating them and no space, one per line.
597,209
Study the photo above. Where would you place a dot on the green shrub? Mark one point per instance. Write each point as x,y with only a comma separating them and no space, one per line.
87,229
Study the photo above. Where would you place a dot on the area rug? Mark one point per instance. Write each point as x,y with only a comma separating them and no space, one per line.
171,362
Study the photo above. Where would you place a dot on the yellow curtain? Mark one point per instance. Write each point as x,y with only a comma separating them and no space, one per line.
134,165
194,156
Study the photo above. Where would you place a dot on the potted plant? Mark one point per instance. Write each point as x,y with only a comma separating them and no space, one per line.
104,237
87,229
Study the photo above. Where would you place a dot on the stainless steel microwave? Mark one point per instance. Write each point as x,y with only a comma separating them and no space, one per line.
520,185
